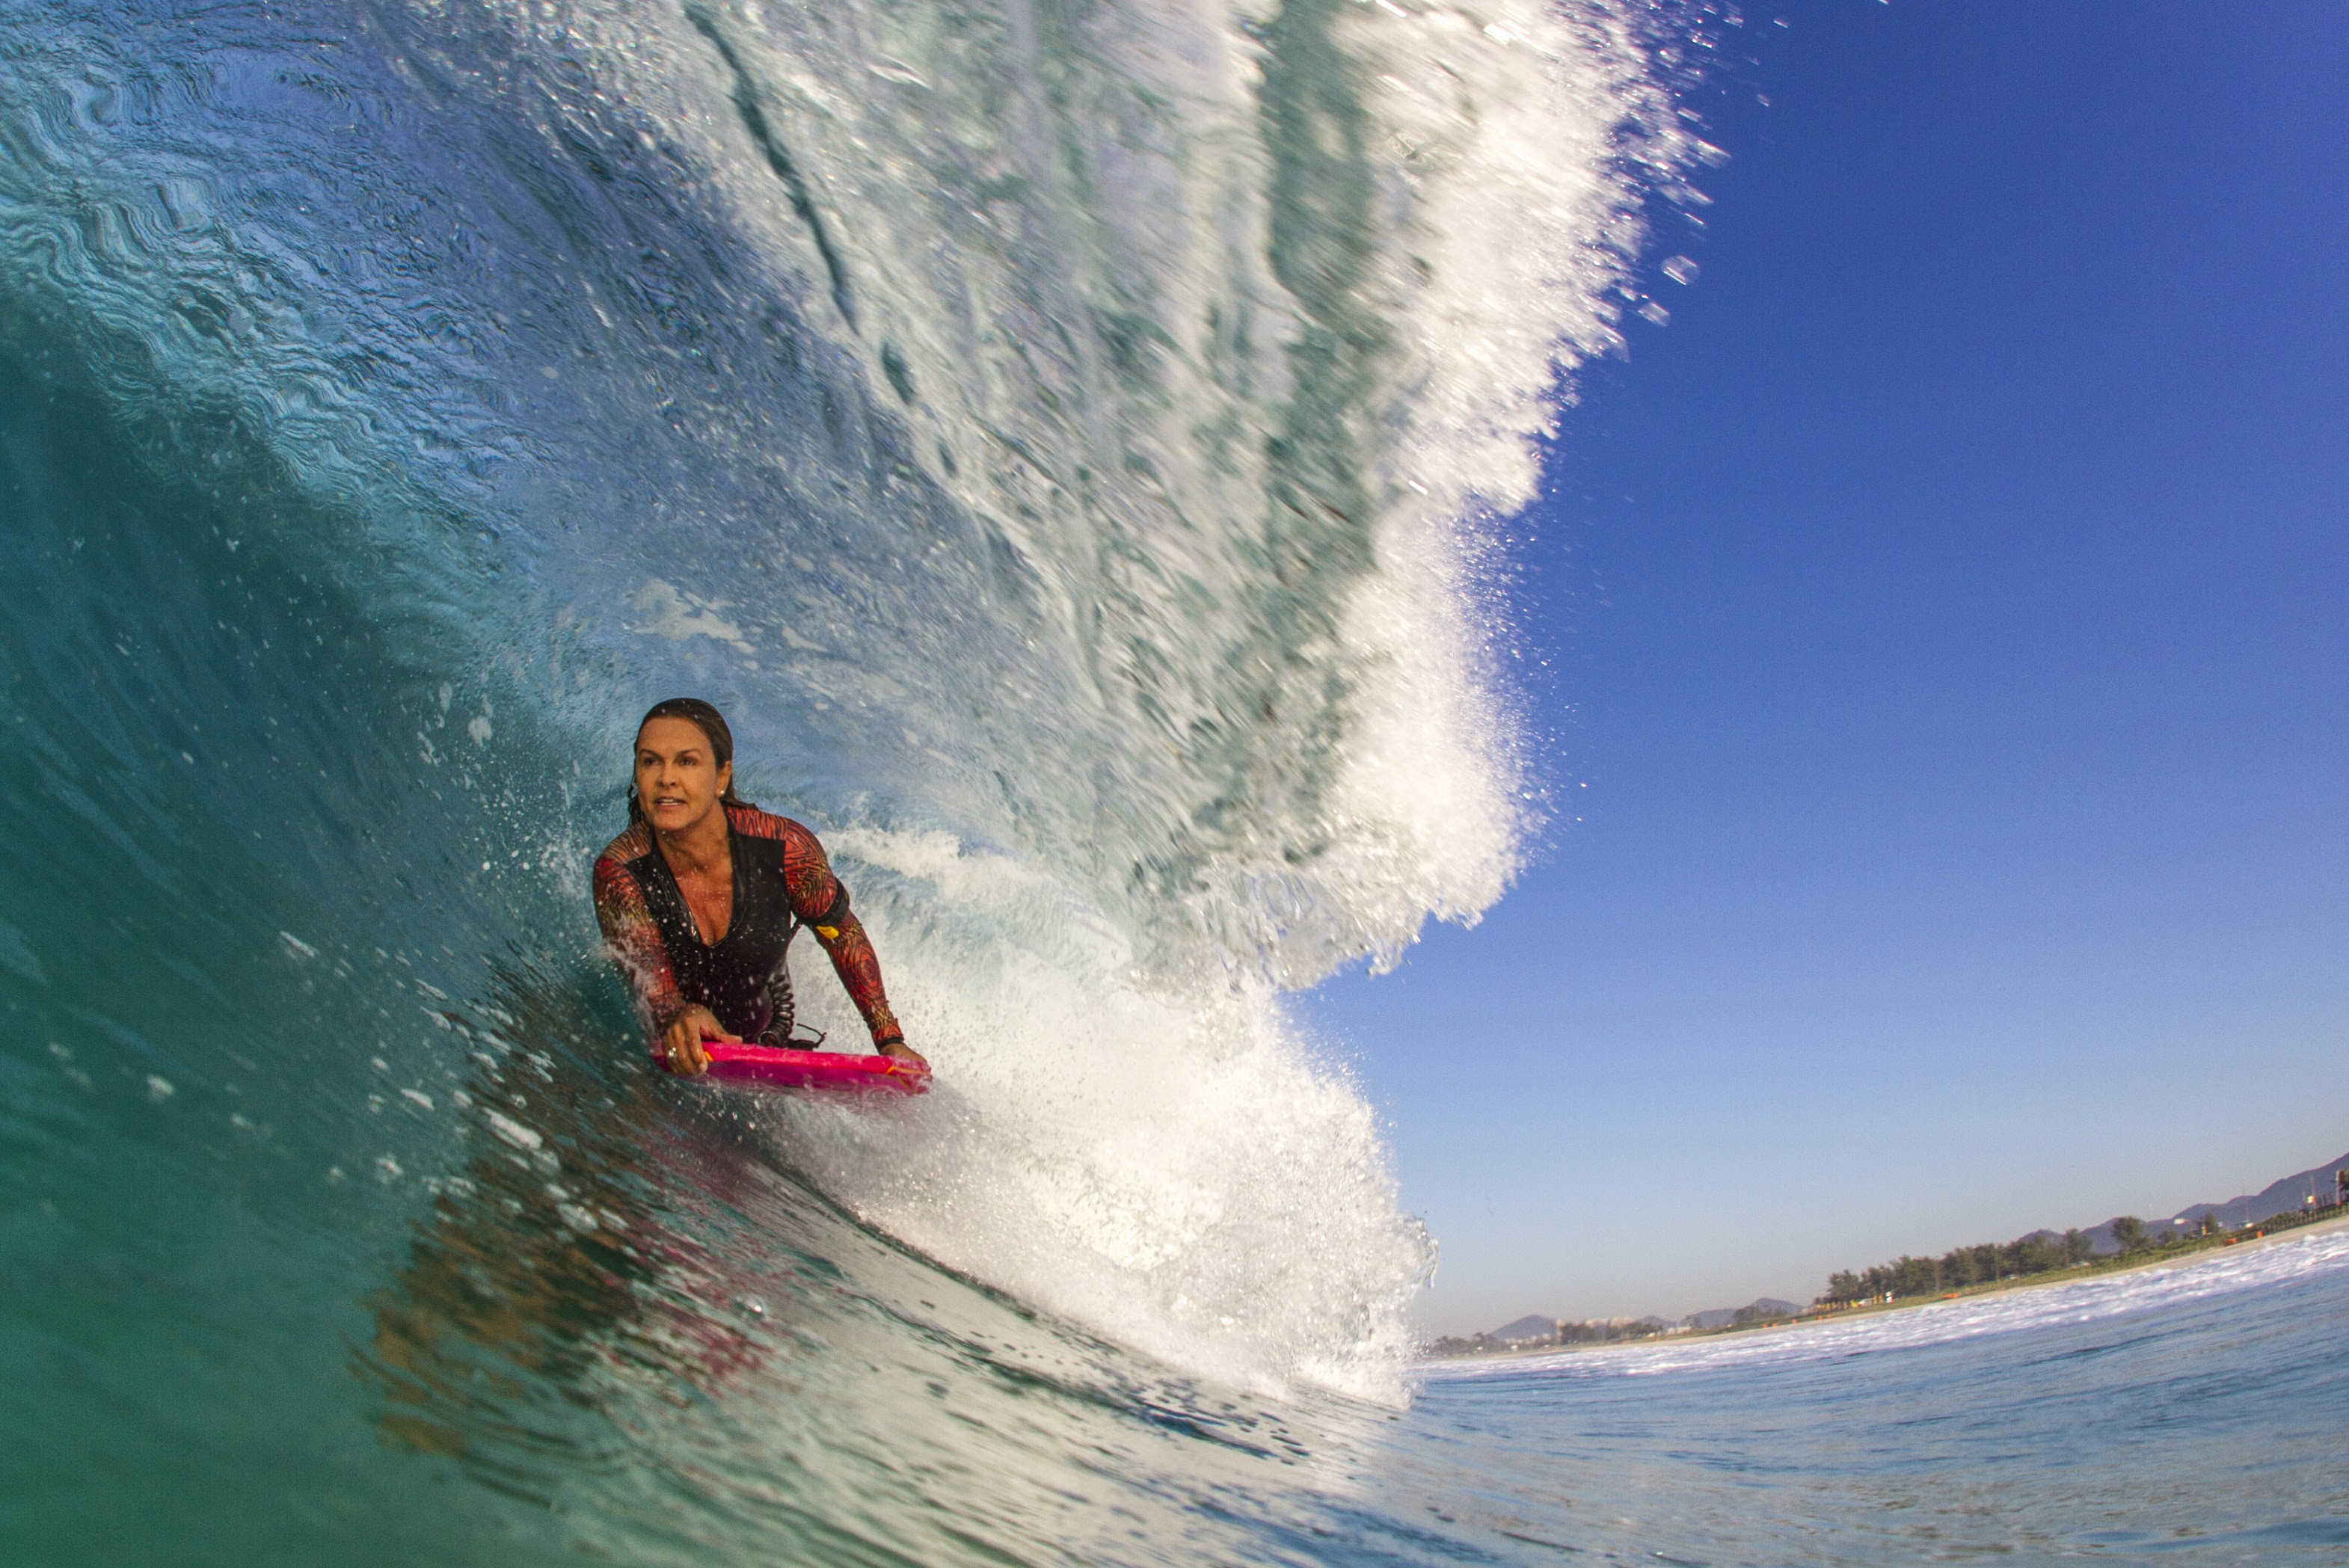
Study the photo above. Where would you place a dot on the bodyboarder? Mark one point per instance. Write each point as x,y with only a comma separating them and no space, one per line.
700,897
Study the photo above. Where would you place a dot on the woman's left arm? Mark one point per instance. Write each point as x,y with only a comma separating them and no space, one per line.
844,939
821,901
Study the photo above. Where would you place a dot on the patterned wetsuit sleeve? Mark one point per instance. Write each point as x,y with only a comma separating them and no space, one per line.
819,899
635,941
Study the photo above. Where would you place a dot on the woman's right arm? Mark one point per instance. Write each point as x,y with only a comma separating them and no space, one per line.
636,945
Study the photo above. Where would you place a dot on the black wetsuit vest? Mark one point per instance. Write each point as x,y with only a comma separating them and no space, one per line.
743,979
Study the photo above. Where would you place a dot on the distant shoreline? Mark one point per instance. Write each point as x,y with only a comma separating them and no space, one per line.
2149,1257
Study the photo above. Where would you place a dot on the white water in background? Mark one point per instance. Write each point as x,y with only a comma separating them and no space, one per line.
2179,1413
2283,1260
1060,438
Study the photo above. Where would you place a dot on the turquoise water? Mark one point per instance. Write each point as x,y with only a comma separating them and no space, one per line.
1067,441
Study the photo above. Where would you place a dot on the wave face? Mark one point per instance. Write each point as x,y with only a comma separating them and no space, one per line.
1056,435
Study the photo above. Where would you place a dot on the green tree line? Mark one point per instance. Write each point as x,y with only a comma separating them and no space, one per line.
1963,1266
1960,1266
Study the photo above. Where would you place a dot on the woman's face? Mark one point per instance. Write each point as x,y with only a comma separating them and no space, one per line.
677,780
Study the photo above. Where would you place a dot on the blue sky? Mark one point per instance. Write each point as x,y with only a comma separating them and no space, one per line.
1945,618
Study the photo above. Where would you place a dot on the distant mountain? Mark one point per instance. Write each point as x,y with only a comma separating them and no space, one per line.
1761,1309
2287,1196
1526,1328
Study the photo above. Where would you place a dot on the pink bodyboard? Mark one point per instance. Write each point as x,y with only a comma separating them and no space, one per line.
822,1072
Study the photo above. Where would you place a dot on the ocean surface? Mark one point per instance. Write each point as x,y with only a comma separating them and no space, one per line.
1075,445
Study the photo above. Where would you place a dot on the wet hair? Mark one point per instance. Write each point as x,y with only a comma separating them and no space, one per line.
712,724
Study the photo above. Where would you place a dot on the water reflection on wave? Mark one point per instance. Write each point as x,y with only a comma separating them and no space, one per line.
626,1294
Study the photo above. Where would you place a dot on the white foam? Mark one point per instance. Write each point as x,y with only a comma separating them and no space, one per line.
1173,1170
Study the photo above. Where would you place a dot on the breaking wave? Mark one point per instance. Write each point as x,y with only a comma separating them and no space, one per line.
1062,439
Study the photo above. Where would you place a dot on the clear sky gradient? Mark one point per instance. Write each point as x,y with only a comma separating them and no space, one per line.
1947,619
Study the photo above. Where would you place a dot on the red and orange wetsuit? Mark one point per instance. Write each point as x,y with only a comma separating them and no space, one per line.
781,882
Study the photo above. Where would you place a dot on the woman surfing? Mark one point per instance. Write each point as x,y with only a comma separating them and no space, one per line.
700,898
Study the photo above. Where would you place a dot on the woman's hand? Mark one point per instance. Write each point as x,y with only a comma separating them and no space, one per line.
904,1053
680,1045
